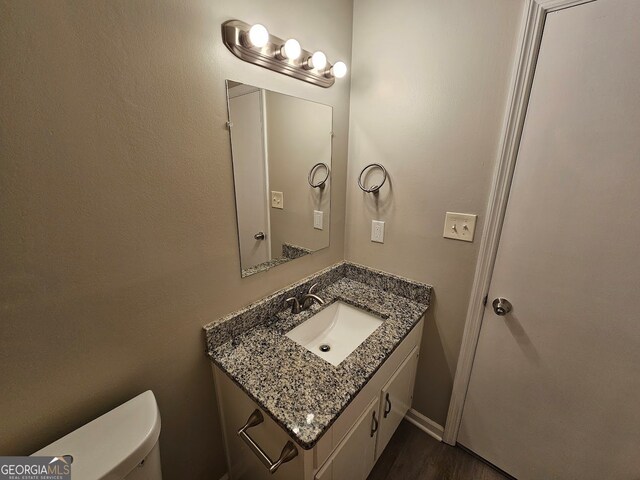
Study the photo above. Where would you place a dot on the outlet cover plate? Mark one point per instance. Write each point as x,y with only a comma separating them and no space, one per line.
277,199
377,231
460,226
318,219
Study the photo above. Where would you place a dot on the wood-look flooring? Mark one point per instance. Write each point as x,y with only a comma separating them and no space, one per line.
413,455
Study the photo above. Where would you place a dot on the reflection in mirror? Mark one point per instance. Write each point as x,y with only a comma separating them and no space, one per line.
281,148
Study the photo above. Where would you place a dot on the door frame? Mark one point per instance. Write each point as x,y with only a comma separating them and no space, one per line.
535,13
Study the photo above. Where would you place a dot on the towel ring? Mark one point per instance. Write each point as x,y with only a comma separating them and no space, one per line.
313,170
373,188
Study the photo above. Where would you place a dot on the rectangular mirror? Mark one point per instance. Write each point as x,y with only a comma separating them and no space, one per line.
281,150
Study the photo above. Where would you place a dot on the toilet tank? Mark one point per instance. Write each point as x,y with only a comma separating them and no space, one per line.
121,444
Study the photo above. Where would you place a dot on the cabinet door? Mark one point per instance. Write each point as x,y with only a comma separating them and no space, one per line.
354,458
326,472
395,400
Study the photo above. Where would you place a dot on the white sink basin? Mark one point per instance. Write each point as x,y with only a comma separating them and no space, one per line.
340,326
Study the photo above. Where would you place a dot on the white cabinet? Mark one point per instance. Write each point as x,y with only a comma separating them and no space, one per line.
357,453
349,448
355,456
395,400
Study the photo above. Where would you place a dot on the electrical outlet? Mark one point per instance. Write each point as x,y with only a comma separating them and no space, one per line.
377,231
318,220
460,226
277,199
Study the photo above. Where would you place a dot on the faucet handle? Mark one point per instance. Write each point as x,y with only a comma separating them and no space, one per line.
295,304
307,300
312,288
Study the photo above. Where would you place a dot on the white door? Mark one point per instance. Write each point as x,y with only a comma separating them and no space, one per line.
555,385
250,176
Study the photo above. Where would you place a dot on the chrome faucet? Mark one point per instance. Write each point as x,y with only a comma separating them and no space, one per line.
295,305
305,301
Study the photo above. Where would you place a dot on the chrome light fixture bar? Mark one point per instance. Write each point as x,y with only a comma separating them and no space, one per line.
272,54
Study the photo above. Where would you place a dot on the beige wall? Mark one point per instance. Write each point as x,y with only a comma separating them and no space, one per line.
298,137
429,106
117,224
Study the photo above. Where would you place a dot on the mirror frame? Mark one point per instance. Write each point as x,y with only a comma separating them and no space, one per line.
268,265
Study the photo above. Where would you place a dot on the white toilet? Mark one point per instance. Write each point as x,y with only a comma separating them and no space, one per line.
121,444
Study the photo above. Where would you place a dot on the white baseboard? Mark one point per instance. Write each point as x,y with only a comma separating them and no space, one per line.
425,424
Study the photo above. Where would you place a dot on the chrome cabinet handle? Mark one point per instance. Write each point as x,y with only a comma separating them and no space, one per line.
259,236
289,451
374,424
387,407
501,306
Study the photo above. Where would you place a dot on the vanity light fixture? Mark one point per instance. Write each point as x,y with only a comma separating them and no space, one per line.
258,35
254,44
291,50
318,61
338,70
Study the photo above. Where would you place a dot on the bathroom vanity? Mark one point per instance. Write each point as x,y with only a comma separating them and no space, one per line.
290,407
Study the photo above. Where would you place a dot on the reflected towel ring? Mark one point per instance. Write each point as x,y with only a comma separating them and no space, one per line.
373,188
312,172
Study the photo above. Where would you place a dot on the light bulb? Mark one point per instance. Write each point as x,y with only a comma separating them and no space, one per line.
258,35
291,49
318,60
339,69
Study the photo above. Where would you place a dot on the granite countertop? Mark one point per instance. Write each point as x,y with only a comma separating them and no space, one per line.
289,252
302,392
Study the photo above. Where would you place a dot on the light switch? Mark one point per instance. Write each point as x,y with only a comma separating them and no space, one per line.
277,199
318,220
460,226
377,231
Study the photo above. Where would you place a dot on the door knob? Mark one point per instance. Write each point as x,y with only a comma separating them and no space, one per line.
501,306
259,236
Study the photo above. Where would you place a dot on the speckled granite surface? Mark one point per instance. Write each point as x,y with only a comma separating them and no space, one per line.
289,252
264,266
298,389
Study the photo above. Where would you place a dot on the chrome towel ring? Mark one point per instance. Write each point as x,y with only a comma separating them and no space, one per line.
373,188
313,171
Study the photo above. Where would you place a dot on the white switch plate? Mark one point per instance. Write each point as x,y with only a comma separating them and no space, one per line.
318,220
377,231
277,199
460,226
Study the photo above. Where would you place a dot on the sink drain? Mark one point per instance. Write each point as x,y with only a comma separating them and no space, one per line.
325,348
